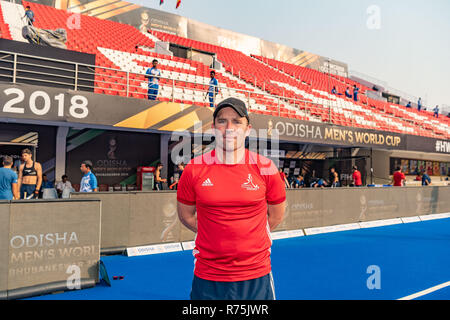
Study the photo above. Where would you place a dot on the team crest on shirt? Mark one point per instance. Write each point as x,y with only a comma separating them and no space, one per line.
249,185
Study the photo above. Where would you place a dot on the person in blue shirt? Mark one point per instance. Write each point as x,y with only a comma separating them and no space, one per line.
347,93
408,105
355,93
9,187
46,184
426,180
333,91
88,181
436,112
213,89
299,182
153,74
29,14
419,104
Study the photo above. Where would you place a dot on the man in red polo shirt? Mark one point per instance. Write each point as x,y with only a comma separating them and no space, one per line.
231,198
357,181
398,177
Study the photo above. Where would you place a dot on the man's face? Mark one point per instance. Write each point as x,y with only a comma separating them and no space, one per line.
212,75
155,64
26,156
64,180
230,130
83,168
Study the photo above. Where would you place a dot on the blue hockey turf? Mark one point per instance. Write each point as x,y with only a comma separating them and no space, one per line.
387,262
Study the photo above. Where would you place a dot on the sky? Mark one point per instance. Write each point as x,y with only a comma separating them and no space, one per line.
405,43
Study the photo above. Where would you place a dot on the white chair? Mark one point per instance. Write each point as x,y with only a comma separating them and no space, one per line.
66,193
49,193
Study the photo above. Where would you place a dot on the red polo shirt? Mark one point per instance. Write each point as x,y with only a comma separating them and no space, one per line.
398,178
233,235
357,178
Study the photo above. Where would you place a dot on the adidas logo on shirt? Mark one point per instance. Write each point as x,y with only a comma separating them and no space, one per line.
207,183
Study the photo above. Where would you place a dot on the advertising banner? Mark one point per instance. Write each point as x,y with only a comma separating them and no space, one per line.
115,155
151,217
4,247
37,103
35,253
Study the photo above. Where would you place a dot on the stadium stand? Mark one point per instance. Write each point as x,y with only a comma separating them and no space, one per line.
269,86
4,27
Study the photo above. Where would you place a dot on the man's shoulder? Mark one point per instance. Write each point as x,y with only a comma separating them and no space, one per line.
265,165
207,158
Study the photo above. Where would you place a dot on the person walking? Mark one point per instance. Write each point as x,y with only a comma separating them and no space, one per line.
89,180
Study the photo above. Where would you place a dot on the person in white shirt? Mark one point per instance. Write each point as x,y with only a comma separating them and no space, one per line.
64,184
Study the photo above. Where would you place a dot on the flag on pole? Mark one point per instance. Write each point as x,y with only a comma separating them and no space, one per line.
161,2
178,4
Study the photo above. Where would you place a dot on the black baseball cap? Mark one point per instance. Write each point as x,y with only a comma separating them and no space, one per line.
236,104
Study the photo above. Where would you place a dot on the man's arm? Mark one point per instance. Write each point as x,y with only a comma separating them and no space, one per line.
39,176
15,191
94,185
187,216
19,179
275,214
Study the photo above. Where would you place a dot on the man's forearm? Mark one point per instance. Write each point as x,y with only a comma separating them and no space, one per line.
189,222
274,222
275,214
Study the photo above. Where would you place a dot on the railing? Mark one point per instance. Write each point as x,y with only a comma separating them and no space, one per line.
85,77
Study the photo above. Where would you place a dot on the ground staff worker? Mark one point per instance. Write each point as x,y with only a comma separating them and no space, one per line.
231,198
30,176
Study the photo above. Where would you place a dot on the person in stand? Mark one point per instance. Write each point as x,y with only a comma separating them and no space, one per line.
347,93
9,189
355,93
153,74
419,104
408,105
213,89
30,176
436,111
29,15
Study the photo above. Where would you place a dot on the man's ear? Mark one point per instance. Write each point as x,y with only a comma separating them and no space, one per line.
247,131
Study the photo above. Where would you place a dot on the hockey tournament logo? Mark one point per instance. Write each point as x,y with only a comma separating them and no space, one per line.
249,185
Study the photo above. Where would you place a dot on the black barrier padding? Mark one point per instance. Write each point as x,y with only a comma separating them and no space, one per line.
112,251
46,289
